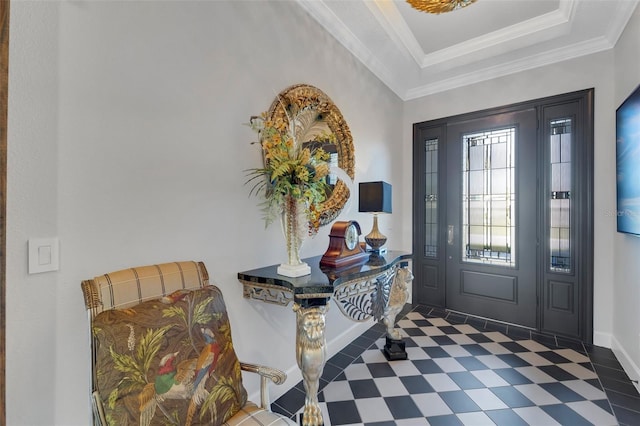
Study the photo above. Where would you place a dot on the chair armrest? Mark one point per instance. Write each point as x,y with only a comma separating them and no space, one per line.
276,376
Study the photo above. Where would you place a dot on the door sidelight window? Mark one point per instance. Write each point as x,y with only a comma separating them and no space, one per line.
560,202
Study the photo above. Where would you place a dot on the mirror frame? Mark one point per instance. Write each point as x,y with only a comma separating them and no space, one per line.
305,96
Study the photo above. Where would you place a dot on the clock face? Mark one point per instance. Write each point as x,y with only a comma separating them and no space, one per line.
351,236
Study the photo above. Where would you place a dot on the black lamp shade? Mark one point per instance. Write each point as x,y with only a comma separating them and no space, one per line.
375,197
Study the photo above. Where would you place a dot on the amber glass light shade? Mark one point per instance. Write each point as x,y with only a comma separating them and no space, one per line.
439,6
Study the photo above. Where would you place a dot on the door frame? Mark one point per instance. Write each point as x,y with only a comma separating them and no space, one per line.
429,273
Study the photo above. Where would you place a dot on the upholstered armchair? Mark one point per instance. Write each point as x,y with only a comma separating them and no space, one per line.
162,353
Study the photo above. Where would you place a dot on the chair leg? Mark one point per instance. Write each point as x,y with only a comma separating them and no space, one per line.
264,394
98,411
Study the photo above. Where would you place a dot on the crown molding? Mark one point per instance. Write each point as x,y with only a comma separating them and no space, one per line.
389,17
319,11
532,28
400,63
623,13
512,67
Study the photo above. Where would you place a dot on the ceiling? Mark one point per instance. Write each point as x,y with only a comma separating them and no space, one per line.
416,53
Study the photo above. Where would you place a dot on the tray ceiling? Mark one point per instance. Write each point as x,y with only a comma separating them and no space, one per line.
417,54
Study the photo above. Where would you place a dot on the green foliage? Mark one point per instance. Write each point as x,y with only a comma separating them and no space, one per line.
201,313
221,393
149,345
174,311
290,169
136,367
113,397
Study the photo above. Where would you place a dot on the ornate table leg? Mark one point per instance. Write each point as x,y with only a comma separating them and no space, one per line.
310,355
395,347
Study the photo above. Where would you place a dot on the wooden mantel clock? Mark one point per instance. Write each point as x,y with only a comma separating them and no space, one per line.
344,245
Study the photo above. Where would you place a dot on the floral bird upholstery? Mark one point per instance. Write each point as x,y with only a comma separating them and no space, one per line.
162,351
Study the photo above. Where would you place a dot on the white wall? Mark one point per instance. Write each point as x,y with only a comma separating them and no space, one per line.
32,211
626,285
126,141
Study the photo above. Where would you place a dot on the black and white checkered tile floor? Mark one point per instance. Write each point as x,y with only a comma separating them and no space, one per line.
464,371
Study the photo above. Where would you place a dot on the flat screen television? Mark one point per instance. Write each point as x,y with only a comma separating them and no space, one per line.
628,164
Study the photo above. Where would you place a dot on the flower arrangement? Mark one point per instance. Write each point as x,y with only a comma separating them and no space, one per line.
292,170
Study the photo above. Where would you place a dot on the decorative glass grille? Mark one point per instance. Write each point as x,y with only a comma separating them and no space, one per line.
431,198
560,203
488,197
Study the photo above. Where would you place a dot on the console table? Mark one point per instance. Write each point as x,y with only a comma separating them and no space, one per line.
375,288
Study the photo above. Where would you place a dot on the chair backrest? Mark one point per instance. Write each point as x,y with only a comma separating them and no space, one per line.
128,287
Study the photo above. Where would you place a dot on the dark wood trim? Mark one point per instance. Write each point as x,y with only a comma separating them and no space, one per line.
4,89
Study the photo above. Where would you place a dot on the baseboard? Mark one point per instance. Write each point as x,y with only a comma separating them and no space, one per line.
630,367
602,339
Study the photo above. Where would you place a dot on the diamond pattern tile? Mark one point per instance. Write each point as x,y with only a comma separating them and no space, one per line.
465,371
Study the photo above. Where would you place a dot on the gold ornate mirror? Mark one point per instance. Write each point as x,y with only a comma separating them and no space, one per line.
320,115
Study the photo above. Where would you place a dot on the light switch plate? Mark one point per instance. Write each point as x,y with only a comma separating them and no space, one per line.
44,255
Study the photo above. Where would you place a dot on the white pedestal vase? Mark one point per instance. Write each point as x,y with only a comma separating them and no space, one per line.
295,226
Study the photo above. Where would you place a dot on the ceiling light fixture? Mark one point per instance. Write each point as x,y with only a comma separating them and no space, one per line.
439,6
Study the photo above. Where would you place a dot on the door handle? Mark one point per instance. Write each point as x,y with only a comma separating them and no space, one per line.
450,235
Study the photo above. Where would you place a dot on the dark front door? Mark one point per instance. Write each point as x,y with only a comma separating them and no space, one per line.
491,205
503,214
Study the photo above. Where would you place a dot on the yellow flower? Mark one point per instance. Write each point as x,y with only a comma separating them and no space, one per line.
320,155
302,173
289,142
280,125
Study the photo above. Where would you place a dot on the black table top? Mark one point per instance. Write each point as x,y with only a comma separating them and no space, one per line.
323,280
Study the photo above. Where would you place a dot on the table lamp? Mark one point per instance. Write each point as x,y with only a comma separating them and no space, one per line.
375,197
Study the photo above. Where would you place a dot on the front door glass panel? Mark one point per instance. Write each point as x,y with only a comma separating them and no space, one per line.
488,197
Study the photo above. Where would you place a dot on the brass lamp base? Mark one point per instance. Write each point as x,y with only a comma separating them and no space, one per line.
375,239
